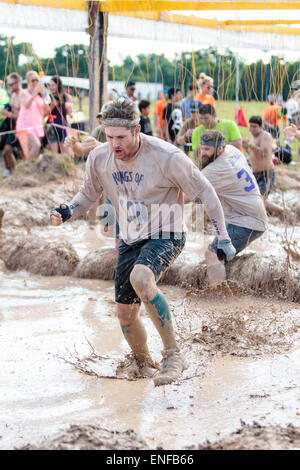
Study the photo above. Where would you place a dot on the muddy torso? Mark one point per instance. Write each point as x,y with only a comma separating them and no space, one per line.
259,163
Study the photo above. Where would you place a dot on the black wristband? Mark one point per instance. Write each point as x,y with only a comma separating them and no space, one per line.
65,213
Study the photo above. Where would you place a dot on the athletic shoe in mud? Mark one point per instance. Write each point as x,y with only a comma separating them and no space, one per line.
173,365
132,368
6,173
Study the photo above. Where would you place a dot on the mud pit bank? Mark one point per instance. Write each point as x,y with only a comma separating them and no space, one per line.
264,275
251,378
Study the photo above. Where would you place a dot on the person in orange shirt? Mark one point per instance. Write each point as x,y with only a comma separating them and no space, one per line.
158,113
271,118
206,85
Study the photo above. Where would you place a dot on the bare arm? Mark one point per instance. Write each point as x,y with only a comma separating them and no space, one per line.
292,131
263,148
81,148
166,131
181,136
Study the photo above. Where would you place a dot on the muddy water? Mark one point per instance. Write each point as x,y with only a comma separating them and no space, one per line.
45,319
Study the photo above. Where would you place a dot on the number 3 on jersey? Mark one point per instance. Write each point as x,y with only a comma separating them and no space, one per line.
248,179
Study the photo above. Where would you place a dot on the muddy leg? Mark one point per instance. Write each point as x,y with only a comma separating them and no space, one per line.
1,219
9,158
133,330
34,146
215,269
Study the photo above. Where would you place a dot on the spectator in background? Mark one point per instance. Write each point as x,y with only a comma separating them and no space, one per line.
292,106
260,150
11,112
33,109
206,85
158,113
144,107
4,99
129,93
188,100
172,115
209,121
271,118
60,107
184,137
294,132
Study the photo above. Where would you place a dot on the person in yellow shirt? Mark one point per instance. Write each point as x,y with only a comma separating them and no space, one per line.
206,85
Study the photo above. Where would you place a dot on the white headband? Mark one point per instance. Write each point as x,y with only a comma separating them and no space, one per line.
118,122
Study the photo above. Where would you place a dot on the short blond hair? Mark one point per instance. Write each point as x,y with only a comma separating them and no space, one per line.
30,74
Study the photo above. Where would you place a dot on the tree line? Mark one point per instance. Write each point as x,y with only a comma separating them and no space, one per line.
256,80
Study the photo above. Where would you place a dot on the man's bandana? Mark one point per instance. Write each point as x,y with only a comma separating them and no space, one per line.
213,143
118,122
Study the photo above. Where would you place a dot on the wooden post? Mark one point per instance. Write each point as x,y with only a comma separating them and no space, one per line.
98,68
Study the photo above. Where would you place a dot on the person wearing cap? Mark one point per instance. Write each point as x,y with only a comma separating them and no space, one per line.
145,178
226,168
193,89
129,93
184,137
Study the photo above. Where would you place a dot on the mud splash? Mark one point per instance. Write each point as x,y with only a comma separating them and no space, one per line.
43,318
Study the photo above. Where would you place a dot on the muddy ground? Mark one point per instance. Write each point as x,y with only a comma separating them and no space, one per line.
60,343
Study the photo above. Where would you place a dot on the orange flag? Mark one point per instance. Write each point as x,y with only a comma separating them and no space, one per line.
240,118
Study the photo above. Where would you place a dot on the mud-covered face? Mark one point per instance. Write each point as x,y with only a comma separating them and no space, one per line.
123,141
209,154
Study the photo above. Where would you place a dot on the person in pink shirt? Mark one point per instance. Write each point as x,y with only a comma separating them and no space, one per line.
30,126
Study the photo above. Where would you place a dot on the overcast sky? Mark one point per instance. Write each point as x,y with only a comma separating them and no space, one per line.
45,42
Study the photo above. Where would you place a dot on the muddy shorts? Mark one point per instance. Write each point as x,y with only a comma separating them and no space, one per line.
240,237
265,181
155,253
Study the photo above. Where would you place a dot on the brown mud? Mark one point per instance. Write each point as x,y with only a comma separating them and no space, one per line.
258,437
91,437
61,345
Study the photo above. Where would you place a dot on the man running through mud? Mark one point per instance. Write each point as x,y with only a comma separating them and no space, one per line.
145,178
228,171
